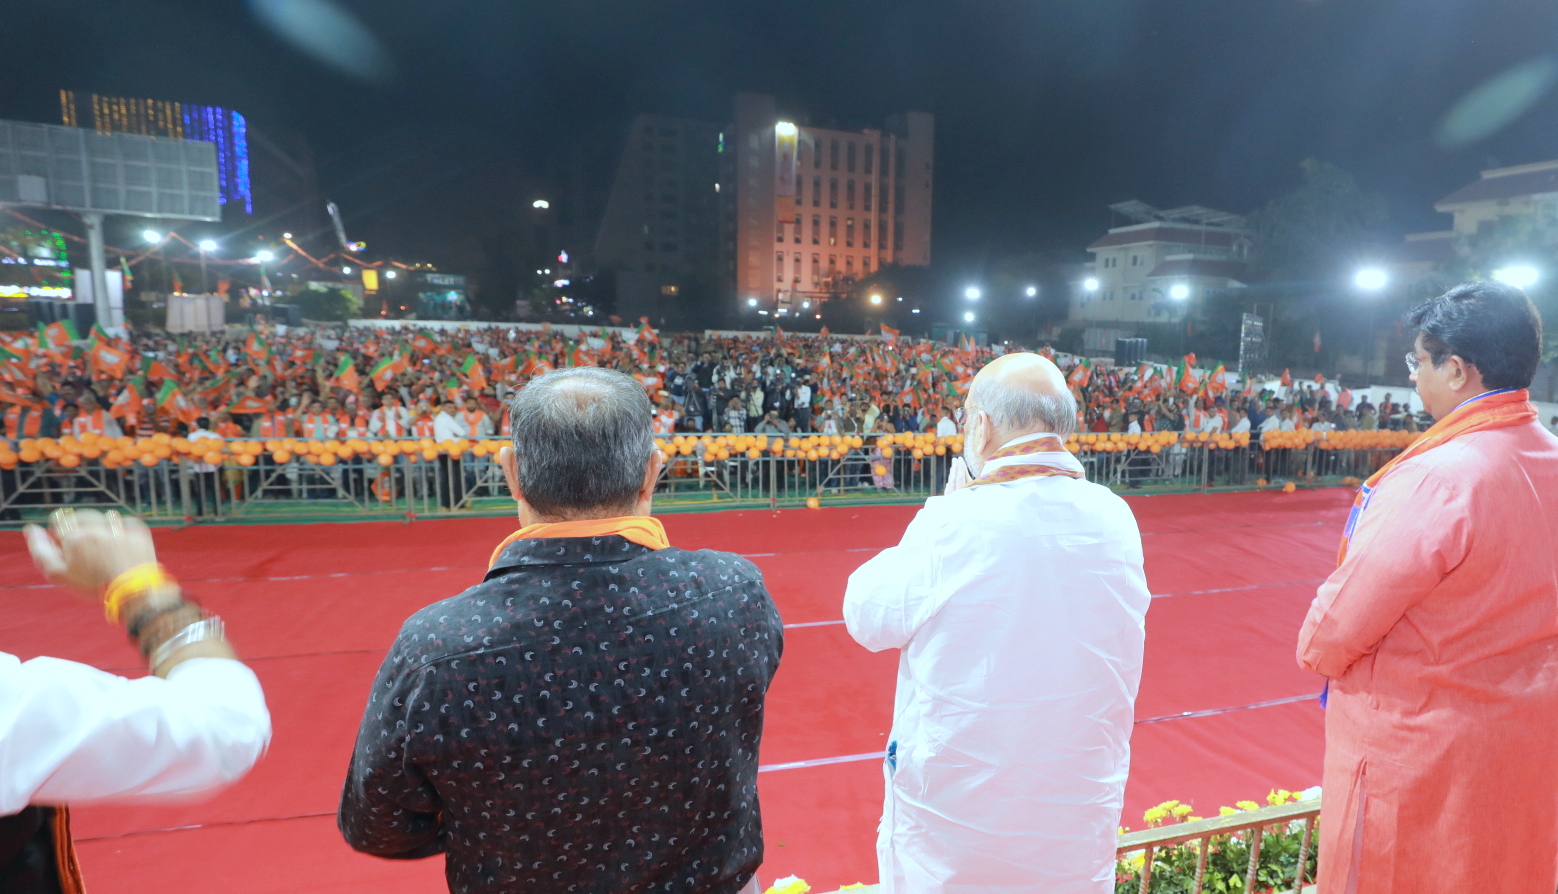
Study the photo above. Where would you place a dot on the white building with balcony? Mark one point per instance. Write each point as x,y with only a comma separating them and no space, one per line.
1162,265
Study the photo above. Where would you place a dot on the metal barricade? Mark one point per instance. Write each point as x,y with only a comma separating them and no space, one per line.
415,479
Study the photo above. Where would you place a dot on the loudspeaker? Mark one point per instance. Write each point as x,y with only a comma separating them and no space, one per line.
1129,351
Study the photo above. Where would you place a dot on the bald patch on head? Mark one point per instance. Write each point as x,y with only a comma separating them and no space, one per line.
1027,372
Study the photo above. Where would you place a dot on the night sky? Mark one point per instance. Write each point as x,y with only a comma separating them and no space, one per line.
1047,110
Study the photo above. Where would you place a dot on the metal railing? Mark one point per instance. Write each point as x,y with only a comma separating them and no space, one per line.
1275,847
265,480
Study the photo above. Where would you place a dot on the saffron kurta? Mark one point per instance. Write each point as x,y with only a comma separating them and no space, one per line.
1439,632
1019,612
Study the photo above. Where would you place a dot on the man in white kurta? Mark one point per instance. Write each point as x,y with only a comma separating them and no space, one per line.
1018,604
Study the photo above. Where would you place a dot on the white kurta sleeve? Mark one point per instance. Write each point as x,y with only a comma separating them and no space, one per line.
895,593
70,733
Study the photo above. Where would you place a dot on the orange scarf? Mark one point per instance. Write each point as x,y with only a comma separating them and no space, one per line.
640,529
1495,409
1016,472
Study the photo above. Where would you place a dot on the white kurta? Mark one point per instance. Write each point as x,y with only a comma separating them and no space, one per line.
70,734
1020,610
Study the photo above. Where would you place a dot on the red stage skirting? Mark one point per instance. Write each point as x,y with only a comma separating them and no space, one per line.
313,607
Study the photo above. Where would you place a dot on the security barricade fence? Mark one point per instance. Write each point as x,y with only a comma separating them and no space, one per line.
174,478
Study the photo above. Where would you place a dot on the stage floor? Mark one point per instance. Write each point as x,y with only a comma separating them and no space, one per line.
1224,712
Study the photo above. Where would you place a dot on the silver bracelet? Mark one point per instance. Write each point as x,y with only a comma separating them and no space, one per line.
200,631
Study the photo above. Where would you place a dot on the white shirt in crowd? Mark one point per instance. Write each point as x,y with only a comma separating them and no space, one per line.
1010,741
1134,428
946,427
72,734
1288,425
1270,423
389,422
803,397
1242,425
1212,422
449,428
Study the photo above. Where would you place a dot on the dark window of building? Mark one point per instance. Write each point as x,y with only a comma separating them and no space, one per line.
833,192
833,155
833,264
849,195
816,229
833,231
897,235
865,233
849,157
816,269
816,153
849,233
865,265
849,266
795,274
816,192
779,232
866,195
870,155
797,229
779,266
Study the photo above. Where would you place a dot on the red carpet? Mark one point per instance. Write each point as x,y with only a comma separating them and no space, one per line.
313,607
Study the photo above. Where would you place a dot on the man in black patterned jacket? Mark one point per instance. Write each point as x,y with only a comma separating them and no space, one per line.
587,718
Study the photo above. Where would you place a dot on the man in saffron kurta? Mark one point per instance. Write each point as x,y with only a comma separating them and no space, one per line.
1439,630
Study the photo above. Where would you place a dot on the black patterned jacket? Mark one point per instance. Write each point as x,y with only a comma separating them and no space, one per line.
584,720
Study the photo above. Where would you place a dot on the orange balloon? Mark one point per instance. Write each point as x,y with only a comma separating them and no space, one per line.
281,456
327,459
813,503
245,459
70,461
386,460
149,459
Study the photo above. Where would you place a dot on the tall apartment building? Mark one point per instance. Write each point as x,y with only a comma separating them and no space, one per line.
817,209
1163,265
661,225
772,210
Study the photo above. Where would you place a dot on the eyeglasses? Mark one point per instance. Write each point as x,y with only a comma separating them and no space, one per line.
1412,363
961,415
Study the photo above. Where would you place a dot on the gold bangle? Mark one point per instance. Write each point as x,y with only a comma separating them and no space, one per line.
130,583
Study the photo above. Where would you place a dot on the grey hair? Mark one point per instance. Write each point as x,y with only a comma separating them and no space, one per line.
1018,410
582,440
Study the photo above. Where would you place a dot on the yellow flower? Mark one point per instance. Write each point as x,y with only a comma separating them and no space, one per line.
1246,805
853,887
789,885
1280,796
1182,810
1226,811
1154,815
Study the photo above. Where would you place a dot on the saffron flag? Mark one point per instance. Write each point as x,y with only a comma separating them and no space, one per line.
10,396
1217,382
1317,341
472,374
57,335
644,331
824,333
580,357
98,335
173,402
1287,379
424,343
383,373
109,361
155,369
889,334
247,406
452,389
346,375
1081,373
